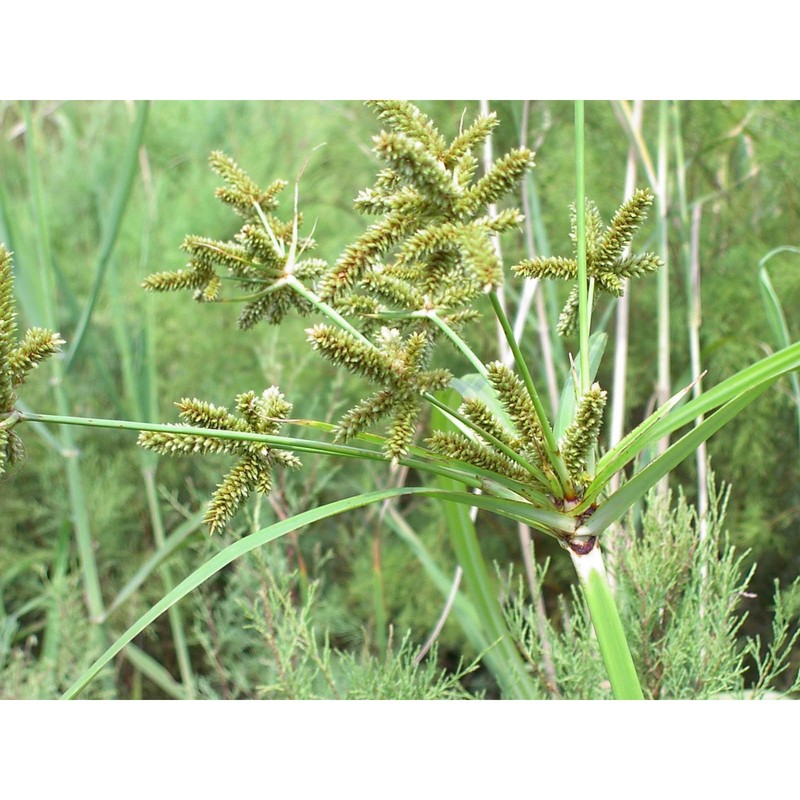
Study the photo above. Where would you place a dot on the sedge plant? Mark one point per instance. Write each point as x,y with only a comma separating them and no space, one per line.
418,278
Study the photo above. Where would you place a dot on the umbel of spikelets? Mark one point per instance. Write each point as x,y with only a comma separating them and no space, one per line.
257,259
431,247
259,414
17,359
398,365
606,260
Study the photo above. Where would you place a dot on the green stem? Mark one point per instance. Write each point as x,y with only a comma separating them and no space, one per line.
459,343
324,308
584,321
607,625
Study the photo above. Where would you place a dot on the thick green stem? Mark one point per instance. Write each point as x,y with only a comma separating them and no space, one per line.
607,624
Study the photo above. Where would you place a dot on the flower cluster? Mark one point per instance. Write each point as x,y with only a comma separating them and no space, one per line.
606,261
395,364
430,253
259,258
17,359
261,415
434,233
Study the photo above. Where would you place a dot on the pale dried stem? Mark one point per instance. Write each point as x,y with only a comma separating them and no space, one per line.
695,318
621,348
505,351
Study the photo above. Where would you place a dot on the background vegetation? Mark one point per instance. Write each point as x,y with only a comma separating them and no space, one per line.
301,618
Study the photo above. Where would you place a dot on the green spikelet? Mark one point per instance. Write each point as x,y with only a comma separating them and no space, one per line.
472,137
17,359
37,345
8,331
553,267
581,436
406,118
410,160
372,244
241,192
402,429
345,350
200,414
260,414
195,277
365,414
624,224
568,318
502,178
517,403
454,445
481,258
477,412
234,489
176,444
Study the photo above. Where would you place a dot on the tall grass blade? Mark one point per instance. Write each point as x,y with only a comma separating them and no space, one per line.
638,486
776,316
111,228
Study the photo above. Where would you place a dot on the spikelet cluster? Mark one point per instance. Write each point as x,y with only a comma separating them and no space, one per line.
606,259
430,251
259,414
17,359
394,362
431,248
257,259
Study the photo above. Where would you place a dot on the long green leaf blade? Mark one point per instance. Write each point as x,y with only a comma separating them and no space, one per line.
638,486
630,446
119,202
767,369
253,541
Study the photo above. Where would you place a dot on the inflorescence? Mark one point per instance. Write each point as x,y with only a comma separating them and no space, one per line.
411,279
261,415
606,260
17,359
